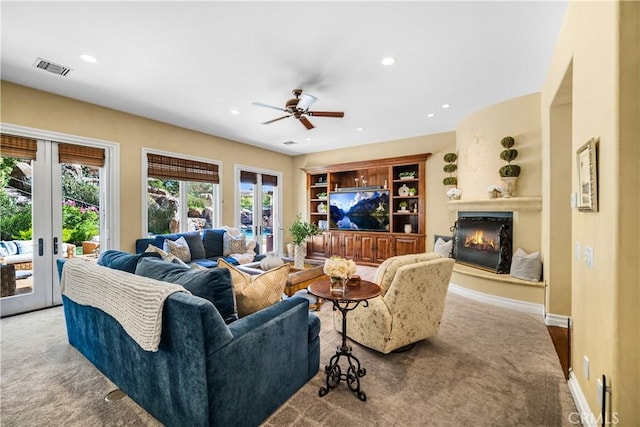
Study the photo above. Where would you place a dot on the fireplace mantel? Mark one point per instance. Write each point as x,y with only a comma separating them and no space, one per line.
513,204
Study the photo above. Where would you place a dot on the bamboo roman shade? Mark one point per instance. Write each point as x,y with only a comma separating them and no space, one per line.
18,146
252,178
164,167
80,154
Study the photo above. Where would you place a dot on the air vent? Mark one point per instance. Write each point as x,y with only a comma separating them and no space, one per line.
51,67
289,143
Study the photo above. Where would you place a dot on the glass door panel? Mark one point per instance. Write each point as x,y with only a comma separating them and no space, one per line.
48,210
257,211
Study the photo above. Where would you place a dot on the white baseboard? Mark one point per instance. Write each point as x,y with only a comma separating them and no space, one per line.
527,307
558,320
585,415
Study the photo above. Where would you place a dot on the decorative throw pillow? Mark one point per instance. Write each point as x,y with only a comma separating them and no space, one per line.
166,256
233,244
213,284
443,248
253,293
526,267
179,248
124,261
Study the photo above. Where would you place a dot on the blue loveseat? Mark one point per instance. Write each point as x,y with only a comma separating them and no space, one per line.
205,247
205,372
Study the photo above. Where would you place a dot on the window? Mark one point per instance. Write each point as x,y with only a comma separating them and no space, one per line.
181,194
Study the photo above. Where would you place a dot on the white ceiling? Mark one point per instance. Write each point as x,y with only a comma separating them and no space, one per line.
191,63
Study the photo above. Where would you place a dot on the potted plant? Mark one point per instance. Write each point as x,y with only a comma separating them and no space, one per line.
403,205
407,175
300,232
450,167
509,173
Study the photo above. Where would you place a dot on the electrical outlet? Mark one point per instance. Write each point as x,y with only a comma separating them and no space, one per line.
585,367
576,250
588,256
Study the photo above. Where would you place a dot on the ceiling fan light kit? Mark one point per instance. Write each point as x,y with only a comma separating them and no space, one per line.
298,107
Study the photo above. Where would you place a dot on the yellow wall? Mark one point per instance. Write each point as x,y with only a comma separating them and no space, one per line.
36,109
478,142
598,44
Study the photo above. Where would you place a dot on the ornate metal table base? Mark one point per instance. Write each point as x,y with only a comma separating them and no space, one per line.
354,371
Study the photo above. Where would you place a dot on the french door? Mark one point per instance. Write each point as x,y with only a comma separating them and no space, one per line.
259,206
55,205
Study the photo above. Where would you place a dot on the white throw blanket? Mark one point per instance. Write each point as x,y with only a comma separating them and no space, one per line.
136,302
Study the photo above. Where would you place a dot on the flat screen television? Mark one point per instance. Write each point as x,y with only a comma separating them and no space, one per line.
359,210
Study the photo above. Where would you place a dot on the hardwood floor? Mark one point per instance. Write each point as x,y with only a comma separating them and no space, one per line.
560,338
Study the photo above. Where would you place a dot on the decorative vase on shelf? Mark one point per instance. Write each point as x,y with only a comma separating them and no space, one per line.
509,187
408,228
337,285
403,191
322,208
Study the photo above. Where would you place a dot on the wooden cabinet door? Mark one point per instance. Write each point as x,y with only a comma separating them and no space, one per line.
335,244
367,248
351,246
408,244
316,246
383,248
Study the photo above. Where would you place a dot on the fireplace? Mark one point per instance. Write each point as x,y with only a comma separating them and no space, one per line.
484,240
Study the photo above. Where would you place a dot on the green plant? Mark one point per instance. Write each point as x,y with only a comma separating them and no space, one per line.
450,167
407,174
403,204
508,155
301,230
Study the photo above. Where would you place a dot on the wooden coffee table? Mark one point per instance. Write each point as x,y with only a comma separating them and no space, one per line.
352,297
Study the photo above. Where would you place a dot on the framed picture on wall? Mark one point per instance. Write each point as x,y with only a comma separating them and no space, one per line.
588,176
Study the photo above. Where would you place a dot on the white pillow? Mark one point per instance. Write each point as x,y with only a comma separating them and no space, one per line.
179,248
443,248
526,267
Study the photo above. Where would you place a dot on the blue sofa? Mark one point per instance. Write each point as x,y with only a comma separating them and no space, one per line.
206,372
205,247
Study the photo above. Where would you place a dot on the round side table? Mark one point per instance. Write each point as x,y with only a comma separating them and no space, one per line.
352,297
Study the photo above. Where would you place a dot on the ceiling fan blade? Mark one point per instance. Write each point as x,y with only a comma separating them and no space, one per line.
305,102
326,113
306,122
260,104
275,120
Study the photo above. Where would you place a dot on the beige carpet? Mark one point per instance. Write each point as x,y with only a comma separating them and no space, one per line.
489,366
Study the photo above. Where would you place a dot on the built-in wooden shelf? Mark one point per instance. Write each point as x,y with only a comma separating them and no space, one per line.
477,272
512,204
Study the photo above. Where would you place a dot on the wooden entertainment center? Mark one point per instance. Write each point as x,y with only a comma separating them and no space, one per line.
398,185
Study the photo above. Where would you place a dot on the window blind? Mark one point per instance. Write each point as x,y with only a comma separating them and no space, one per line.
18,146
164,167
252,178
80,154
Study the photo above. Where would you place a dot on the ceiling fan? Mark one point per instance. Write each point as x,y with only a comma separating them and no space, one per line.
298,107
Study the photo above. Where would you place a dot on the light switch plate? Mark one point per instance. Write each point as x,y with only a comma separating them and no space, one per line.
574,200
585,367
588,256
576,250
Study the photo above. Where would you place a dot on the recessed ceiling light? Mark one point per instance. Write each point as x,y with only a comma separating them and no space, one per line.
308,139
88,58
235,112
445,106
360,129
430,115
389,60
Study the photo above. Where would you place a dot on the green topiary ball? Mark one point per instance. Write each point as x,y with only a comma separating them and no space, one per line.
508,141
450,157
509,155
450,168
450,180
510,171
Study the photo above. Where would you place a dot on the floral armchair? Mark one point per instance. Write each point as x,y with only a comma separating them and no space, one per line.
410,306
